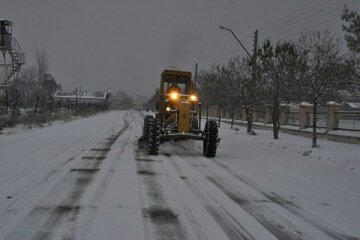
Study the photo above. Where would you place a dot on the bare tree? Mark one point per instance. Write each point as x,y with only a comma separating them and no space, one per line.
240,84
212,84
30,91
42,64
205,82
43,67
279,67
230,86
321,58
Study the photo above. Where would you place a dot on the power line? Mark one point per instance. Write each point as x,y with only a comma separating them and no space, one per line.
305,22
281,18
291,33
303,19
300,16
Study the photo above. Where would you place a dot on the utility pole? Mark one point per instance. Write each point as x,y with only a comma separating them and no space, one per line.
196,73
252,61
195,81
255,44
76,100
249,109
80,94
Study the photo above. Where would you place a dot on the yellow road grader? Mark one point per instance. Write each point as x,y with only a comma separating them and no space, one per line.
178,116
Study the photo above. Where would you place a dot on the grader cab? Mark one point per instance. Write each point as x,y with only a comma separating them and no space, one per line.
178,116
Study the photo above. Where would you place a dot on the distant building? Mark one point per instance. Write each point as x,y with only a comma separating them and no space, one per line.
82,96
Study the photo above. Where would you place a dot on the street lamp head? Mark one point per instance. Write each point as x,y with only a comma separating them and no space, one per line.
237,39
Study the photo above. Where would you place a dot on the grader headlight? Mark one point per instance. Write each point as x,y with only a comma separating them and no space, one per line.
174,96
193,98
168,109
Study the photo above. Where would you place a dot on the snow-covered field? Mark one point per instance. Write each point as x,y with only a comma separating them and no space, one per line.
87,179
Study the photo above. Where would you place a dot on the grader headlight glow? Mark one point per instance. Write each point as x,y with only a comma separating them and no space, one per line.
174,96
193,98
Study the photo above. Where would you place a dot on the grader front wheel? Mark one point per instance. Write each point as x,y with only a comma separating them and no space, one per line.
210,139
154,137
147,125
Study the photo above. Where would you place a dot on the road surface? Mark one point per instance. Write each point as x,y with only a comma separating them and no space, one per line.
88,179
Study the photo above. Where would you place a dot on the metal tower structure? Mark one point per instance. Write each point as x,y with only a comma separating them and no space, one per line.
12,56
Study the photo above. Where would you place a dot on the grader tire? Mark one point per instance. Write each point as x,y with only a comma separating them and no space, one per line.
154,137
210,139
146,129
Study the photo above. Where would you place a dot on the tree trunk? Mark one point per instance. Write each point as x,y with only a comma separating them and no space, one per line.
6,101
275,120
51,104
219,120
276,125
37,103
16,102
232,118
248,118
314,120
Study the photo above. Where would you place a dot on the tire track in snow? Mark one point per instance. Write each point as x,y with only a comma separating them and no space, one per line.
262,208
57,211
294,209
30,187
165,227
164,221
226,221
281,228
220,214
101,189
28,168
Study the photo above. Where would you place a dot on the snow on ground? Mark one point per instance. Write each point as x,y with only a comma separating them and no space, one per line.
88,179
324,181
44,174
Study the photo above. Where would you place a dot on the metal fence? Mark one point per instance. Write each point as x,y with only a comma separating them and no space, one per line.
320,121
348,120
260,117
343,120
293,118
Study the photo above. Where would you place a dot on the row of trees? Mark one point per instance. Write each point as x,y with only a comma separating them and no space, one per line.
32,89
311,69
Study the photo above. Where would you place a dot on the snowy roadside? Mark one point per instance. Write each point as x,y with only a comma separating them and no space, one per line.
88,179
316,190
34,165
324,181
27,127
345,136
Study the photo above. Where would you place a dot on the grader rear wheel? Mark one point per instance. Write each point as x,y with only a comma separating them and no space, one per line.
210,139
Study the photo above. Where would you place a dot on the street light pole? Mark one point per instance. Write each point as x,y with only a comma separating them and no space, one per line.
237,39
248,107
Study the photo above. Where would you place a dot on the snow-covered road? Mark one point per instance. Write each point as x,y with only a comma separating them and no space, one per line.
87,179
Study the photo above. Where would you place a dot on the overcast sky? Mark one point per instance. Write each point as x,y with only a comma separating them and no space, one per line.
125,44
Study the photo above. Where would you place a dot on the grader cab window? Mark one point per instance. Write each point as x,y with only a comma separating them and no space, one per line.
180,81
